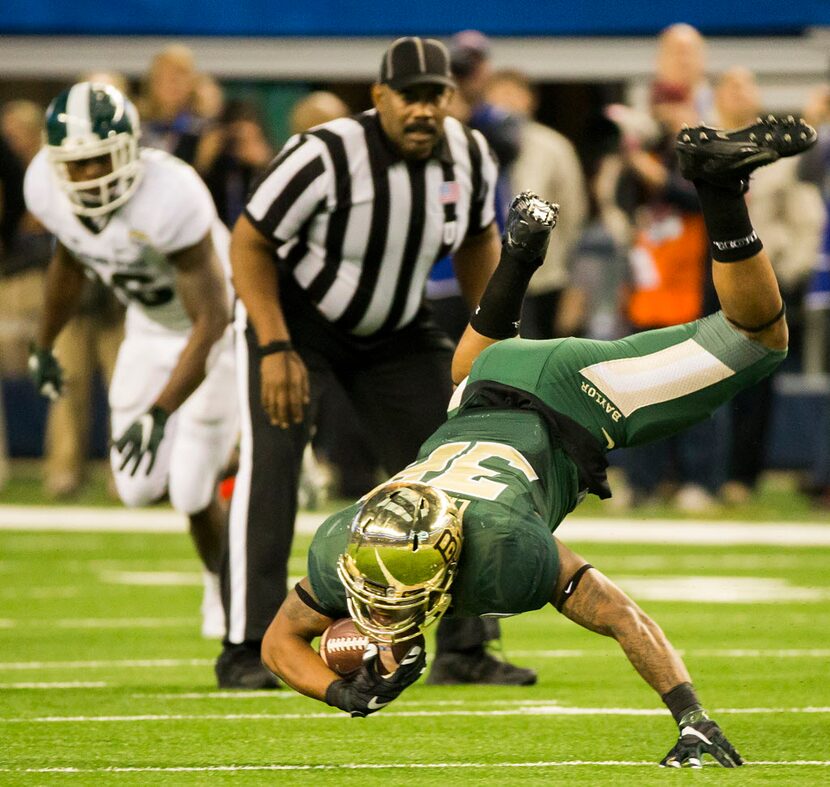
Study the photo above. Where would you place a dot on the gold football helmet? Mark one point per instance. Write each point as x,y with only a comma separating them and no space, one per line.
400,561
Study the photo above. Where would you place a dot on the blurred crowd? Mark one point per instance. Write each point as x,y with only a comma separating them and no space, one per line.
629,253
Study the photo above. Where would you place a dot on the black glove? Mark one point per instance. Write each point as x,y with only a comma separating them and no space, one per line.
700,735
46,372
527,229
142,437
367,690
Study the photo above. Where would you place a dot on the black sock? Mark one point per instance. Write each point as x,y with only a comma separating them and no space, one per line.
500,309
731,236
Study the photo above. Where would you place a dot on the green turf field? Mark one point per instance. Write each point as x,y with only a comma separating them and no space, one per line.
105,680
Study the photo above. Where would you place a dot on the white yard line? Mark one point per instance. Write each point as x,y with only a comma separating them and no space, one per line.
360,766
666,531
528,710
105,519
100,623
70,684
728,653
104,664
561,653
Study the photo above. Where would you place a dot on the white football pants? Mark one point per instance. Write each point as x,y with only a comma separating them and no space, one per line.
198,437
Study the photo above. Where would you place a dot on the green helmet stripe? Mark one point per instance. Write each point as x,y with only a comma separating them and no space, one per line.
86,109
55,124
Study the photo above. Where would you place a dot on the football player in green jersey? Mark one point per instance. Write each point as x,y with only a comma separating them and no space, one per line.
467,528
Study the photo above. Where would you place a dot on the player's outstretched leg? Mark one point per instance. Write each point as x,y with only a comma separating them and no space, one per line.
720,164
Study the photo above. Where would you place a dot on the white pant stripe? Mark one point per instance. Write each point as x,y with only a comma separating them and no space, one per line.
238,521
677,371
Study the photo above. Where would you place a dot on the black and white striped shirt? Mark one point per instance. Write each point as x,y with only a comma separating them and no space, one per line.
359,227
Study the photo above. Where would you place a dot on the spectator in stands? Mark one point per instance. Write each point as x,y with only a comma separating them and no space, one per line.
317,108
590,305
88,343
681,60
11,178
792,215
25,245
548,165
472,69
208,97
168,104
241,150
25,248
815,168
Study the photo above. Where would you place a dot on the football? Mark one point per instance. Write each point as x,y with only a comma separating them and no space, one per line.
342,647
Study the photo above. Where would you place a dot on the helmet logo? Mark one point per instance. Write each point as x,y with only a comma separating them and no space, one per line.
447,546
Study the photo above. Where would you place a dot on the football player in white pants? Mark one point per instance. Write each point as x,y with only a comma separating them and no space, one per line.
145,225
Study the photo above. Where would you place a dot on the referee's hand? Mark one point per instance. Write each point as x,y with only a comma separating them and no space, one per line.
284,388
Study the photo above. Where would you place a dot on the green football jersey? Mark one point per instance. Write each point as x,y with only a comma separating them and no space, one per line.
513,470
512,488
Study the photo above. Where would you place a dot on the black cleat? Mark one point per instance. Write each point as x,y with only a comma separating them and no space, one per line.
530,221
454,669
726,158
240,667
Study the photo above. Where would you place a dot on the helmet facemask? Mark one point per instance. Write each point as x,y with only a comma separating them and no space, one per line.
401,561
93,121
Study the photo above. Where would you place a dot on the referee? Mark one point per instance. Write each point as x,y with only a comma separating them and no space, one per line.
330,259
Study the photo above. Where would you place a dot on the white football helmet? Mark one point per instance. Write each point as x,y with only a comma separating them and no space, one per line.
90,120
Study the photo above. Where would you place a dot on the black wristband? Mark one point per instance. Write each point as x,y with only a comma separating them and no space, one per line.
681,700
160,415
274,347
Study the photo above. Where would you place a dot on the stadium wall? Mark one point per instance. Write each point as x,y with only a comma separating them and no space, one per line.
362,18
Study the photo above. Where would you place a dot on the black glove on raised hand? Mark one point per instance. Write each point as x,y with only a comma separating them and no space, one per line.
142,437
700,735
367,690
46,372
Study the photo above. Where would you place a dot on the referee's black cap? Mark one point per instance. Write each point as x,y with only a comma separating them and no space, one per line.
416,61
